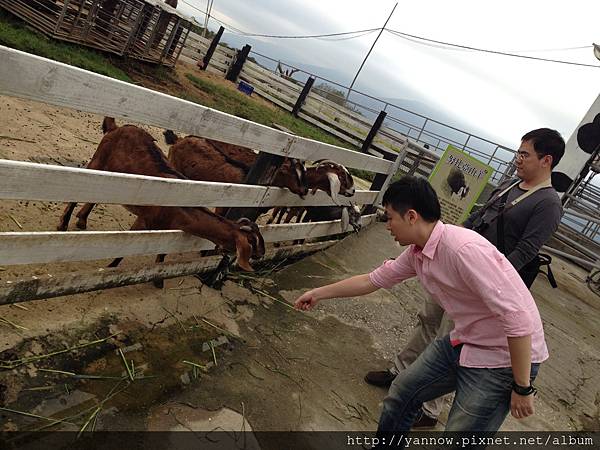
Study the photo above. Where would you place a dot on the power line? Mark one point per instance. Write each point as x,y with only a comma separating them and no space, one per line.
540,50
280,36
411,37
466,47
308,36
347,38
195,7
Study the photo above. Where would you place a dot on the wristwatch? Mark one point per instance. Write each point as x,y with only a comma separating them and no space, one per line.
524,390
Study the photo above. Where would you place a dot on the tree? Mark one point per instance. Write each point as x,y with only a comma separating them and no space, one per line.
331,93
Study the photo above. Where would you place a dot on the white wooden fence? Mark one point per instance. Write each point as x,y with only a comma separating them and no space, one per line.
196,47
30,77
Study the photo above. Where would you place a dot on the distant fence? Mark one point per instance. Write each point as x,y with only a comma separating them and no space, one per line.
148,30
383,131
579,232
30,77
196,47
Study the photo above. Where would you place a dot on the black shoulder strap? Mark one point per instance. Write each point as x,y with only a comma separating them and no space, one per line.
500,192
500,223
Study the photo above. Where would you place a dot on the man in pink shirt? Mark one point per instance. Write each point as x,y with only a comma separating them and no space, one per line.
493,353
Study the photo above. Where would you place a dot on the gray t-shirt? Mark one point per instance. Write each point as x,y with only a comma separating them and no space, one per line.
527,226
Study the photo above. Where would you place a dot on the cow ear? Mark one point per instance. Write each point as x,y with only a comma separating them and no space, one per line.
334,187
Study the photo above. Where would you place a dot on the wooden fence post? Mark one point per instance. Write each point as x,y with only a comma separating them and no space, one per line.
381,180
373,132
302,98
61,17
238,63
261,173
211,49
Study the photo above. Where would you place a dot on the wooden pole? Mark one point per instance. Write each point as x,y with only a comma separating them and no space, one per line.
236,67
211,49
261,173
373,132
382,181
302,98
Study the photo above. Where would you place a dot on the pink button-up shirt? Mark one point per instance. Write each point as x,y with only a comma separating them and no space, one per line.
479,290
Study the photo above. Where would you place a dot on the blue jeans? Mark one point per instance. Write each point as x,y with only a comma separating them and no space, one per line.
482,398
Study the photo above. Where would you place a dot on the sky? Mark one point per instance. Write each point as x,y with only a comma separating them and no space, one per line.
502,97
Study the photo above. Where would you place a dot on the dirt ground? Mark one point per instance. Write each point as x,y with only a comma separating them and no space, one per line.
238,358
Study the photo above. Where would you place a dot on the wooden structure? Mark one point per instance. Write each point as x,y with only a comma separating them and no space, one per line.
148,30
30,77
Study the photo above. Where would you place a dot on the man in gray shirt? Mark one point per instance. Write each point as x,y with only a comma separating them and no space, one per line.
529,211
527,226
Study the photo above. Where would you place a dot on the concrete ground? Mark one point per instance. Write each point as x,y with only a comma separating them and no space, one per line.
269,367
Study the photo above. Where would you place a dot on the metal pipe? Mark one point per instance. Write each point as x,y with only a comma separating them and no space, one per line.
585,262
583,216
576,245
422,128
369,52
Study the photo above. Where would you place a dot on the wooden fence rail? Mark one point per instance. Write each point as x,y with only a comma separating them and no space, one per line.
56,246
33,181
197,46
86,281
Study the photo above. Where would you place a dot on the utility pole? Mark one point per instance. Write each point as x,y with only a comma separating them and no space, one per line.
209,6
370,50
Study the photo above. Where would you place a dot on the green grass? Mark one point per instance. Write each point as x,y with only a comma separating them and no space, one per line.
239,105
14,33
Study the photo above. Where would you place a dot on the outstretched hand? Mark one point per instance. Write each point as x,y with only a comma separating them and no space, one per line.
306,301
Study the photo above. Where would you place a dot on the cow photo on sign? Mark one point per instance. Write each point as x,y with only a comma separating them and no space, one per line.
458,180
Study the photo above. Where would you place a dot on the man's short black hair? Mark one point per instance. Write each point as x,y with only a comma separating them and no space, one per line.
547,142
413,193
